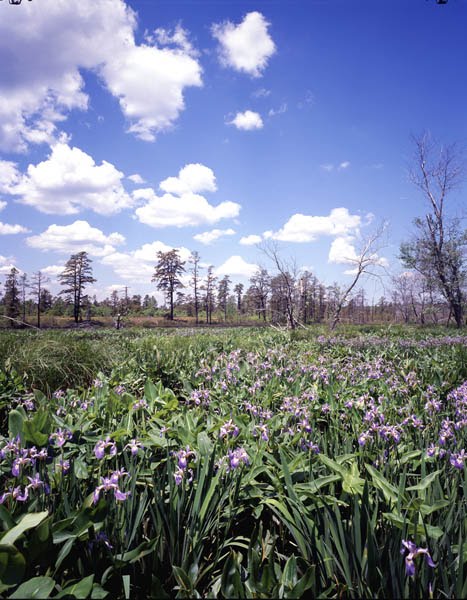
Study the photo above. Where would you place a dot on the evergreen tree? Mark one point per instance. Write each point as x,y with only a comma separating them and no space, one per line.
76,275
238,291
11,298
167,275
194,260
208,298
38,279
223,294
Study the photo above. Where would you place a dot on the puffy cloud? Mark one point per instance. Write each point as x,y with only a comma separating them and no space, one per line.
193,178
52,271
9,176
236,266
246,47
136,178
250,240
187,210
6,264
2,204
247,120
77,237
207,237
69,181
327,167
179,38
6,229
48,48
149,83
181,206
344,165
138,266
307,228
342,251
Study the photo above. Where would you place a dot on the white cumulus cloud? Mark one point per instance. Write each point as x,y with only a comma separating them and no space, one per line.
6,264
138,266
250,240
342,251
187,210
6,229
77,237
307,228
52,271
246,47
236,266
207,237
194,178
247,120
68,182
136,178
47,48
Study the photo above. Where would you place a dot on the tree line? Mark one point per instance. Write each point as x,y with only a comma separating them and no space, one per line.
432,289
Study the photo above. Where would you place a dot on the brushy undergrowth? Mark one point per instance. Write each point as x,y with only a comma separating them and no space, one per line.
234,464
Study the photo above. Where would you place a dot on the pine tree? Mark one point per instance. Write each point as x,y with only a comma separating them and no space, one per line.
238,291
194,260
38,279
76,275
223,294
208,298
167,275
12,296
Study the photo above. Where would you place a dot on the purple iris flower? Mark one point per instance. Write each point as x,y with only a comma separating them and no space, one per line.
134,446
237,457
101,446
412,551
457,459
16,494
183,457
111,484
60,437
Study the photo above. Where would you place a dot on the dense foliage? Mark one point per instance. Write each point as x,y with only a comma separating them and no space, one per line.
243,464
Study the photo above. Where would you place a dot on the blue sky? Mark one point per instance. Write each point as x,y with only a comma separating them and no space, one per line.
132,127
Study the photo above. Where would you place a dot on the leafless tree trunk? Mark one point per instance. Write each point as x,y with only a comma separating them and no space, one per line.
365,263
438,248
288,272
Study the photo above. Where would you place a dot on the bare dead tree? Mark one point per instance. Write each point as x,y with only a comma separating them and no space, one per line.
288,273
438,248
366,261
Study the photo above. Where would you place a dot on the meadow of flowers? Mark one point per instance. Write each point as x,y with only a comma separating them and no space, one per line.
243,464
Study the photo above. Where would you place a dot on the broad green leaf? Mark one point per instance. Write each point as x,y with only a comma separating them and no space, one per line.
80,589
391,493
289,575
332,464
37,587
28,521
401,523
204,444
80,468
32,434
424,483
352,483
15,424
